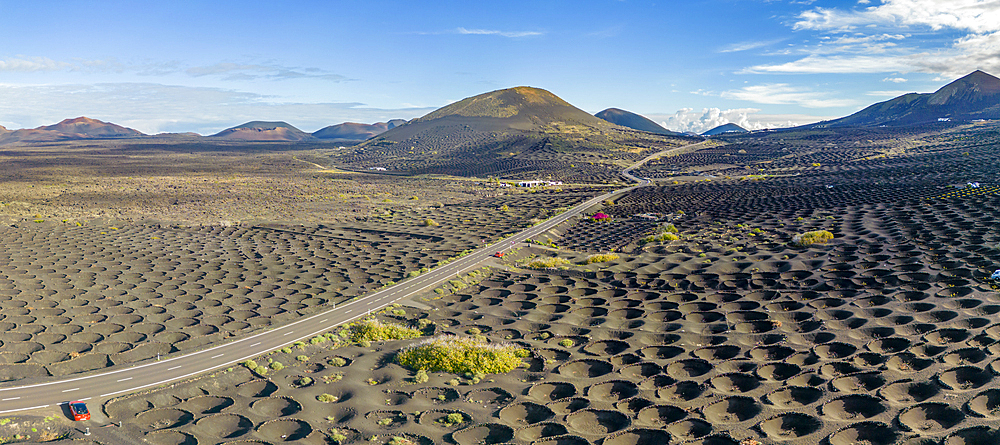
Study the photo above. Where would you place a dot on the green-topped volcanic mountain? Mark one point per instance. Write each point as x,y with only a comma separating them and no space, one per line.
975,96
632,120
520,132
523,108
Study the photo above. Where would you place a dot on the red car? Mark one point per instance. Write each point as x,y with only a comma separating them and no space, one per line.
498,254
79,411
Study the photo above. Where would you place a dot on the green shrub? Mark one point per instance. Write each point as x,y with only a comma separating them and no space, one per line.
547,263
302,358
421,376
665,236
601,258
565,342
286,350
337,361
327,398
413,274
303,381
373,330
277,366
452,419
813,237
474,331
458,355
430,223
337,436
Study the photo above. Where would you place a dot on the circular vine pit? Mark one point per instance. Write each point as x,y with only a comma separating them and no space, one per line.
597,422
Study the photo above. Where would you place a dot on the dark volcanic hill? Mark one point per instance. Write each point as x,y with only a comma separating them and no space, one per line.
263,131
631,120
975,96
70,129
520,132
729,128
356,132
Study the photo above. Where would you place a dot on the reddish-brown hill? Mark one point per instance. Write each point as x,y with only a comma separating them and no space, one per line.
70,129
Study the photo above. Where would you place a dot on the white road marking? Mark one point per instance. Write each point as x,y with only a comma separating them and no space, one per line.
127,378
324,320
171,369
24,409
12,398
70,390
288,333
255,344
217,356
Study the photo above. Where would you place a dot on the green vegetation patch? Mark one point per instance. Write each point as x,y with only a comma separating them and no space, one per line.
547,263
668,232
461,355
813,237
371,329
601,258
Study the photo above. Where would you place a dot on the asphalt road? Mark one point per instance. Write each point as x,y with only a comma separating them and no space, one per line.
103,385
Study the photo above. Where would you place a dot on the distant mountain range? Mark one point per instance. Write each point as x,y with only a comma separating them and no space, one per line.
632,120
975,96
534,110
83,128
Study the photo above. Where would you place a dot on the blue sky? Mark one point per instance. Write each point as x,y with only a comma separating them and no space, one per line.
205,66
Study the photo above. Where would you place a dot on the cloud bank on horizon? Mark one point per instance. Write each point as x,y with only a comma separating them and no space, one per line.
188,66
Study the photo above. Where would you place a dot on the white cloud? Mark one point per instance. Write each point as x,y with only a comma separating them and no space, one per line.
836,64
689,120
785,94
29,64
977,16
894,79
224,70
892,48
154,108
746,46
491,32
237,71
